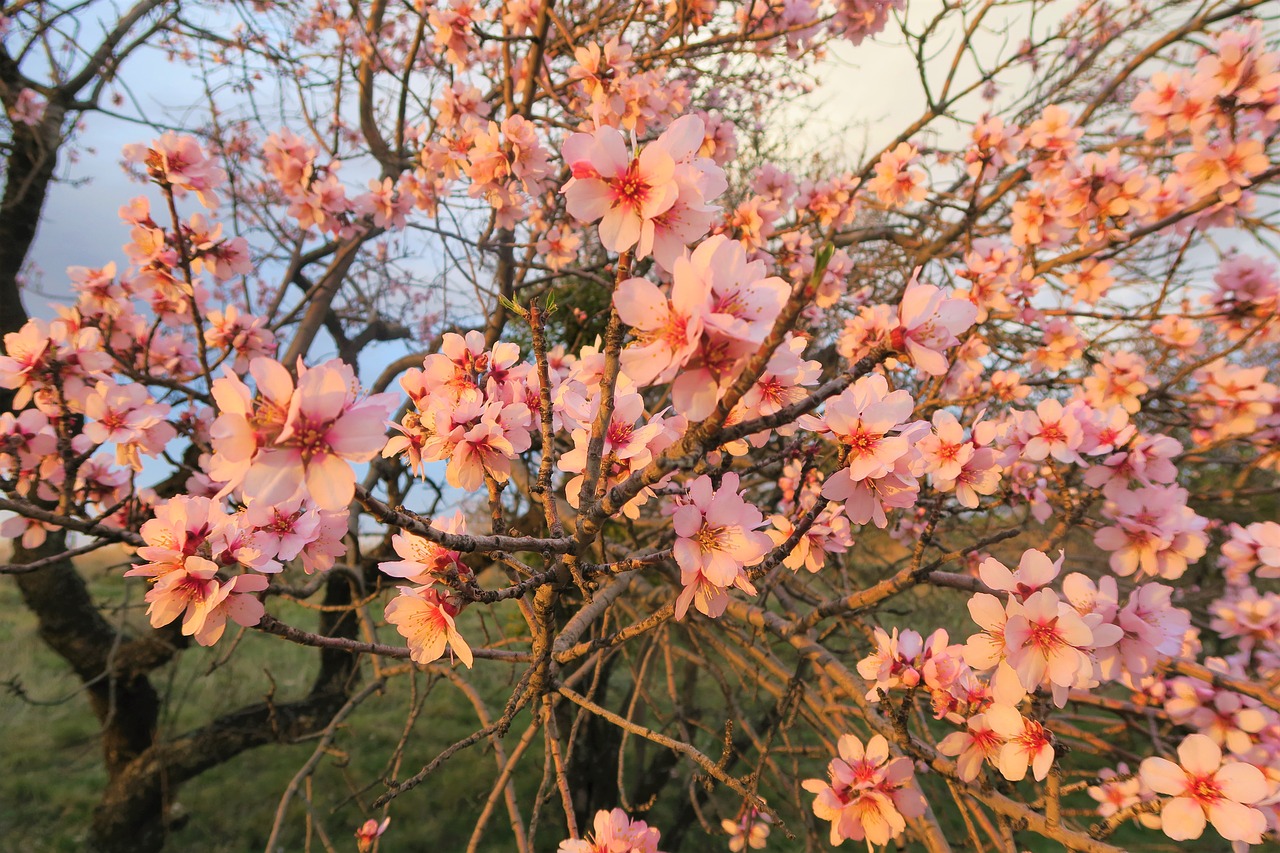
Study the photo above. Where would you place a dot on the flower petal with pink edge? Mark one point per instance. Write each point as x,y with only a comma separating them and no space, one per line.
695,393
877,749
1199,755
640,304
1237,822
619,229
360,433
330,482
245,610
1041,764
1182,819
683,137
1163,776
273,379
275,476
1241,782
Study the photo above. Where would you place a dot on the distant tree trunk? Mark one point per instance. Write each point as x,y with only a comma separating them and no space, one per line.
112,667
28,173
142,772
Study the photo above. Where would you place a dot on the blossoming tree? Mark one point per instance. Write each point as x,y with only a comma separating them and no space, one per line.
922,499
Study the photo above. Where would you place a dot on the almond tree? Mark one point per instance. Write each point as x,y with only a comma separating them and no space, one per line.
675,430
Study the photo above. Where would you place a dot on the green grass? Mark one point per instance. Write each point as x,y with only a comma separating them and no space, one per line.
51,773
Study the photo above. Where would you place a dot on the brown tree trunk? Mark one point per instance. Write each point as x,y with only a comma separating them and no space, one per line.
112,667
143,773
28,173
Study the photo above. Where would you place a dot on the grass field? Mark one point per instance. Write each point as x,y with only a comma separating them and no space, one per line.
50,769
50,765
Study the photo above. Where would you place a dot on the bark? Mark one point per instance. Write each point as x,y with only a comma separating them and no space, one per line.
113,667
28,173
128,819
144,773
593,763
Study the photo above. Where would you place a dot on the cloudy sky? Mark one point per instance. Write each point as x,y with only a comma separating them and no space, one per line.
869,94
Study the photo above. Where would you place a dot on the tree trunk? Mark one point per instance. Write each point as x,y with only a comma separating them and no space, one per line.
112,667
144,773
28,173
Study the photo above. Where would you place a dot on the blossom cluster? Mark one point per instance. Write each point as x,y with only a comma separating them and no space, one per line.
739,373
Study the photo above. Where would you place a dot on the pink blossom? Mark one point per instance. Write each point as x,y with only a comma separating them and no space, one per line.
630,443
30,531
1045,643
977,745
369,832
194,592
488,446
324,430
180,528
979,475
868,501
1035,571
716,538
863,418
667,330
691,214
1147,459
627,193
1205,789
423,561
1027,744
178,161
615,832
319,554
944,451
247,422
43,353
1118,380
751,829
744,301
1229,719
245,335
559,247
829,534
126,416
1120,789
283,530
994,147
1252,549
897,180
24,439
907,660
929,322
866,795
384,204
1050,431
986,649
28,109
1153,531
454,24
1153,631
483,447
856,20
425,617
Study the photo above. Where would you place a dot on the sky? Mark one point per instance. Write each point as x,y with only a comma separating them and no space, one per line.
868,94
873,84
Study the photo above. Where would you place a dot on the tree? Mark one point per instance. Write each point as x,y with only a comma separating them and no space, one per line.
680,426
